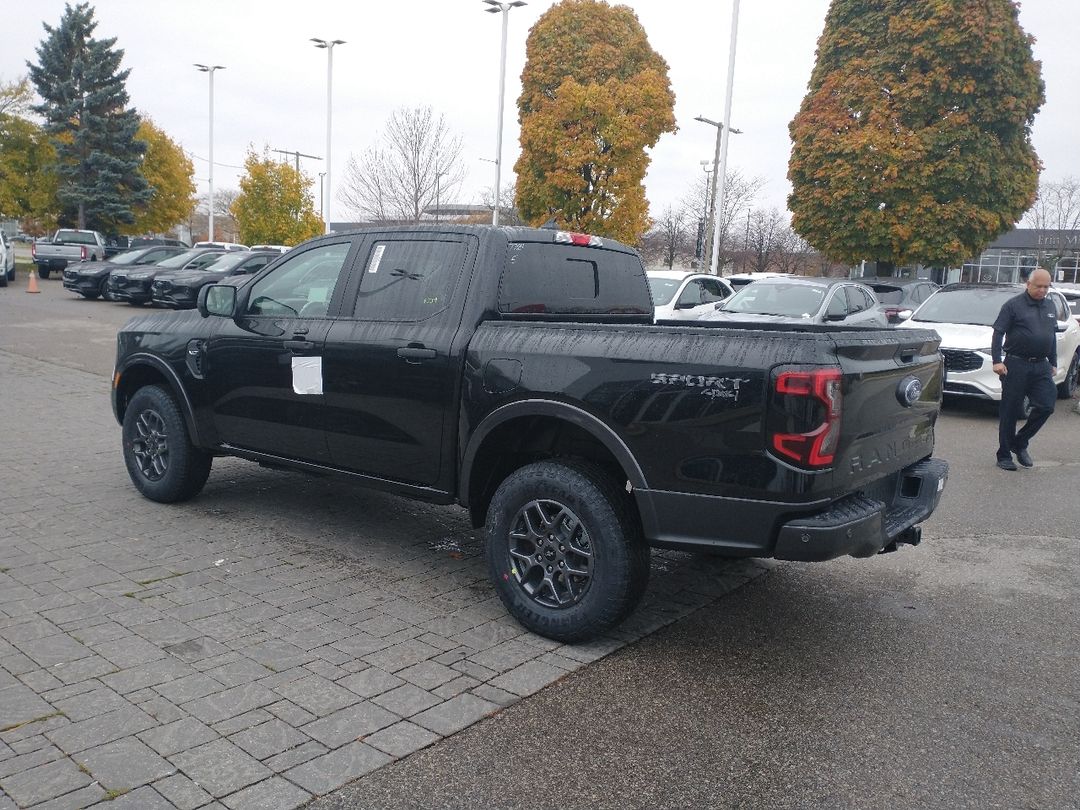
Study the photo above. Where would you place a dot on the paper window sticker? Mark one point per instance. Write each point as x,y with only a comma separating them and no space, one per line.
376,258
307,375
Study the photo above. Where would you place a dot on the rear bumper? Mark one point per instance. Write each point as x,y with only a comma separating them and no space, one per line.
860,525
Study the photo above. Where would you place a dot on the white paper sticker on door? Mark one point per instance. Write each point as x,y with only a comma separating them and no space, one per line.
307,375
376,257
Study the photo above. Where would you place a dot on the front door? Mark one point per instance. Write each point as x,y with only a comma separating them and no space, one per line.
264,367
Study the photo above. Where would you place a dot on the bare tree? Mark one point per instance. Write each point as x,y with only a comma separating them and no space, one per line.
508,213
671,237
793,253
739,194
765,229
416,159
1057,207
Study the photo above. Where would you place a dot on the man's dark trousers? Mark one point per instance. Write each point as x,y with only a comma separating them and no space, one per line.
1025,378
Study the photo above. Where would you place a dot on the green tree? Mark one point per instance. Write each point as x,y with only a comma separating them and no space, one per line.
913,141
27,162
171,176
84,104
594,97
275,205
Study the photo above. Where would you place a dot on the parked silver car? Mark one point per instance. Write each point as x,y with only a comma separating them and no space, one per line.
797,299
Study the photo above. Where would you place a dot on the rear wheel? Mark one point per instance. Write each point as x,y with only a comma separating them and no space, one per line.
1068,386
565,552
43,272
161,460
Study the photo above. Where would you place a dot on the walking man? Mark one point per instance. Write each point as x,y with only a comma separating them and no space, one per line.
1029,328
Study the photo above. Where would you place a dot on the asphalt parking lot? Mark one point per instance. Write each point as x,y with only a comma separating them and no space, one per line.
284,637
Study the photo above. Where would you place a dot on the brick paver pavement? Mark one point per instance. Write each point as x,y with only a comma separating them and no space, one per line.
264,643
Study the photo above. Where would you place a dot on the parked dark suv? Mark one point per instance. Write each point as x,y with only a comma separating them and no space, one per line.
133,285
179,289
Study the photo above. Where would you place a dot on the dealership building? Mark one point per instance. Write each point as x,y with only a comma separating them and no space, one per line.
1009,258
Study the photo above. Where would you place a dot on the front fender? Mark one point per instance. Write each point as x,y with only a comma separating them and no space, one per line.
141,369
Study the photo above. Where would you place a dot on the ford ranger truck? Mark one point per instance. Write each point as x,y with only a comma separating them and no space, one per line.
518,373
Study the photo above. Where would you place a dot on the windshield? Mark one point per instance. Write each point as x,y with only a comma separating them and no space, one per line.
969,305
180,259
663,289
228,261
887,294
785,298
127,257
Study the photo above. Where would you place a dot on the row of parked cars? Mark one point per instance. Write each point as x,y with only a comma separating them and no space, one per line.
962,314
167,275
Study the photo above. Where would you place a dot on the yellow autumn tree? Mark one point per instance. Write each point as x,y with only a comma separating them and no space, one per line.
171,176
595,96
275,205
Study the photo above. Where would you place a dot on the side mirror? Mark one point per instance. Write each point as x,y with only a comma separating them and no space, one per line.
904,314
217,299
835,316
1061,326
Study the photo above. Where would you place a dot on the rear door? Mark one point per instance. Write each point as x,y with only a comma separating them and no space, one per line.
392,387
264,367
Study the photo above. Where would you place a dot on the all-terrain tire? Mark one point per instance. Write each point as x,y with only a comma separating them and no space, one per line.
43,272
565,549
163,463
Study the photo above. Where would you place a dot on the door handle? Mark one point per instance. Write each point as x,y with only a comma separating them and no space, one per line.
299,345
416,352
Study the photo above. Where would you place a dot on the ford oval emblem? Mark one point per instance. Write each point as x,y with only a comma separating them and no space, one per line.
909,391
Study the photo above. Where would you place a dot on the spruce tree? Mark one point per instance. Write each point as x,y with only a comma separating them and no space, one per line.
84,104
913,143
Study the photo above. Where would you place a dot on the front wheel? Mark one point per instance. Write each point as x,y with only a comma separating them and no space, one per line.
565,551
1068,386
163,463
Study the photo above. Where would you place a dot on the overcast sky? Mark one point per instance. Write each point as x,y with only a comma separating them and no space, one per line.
445,53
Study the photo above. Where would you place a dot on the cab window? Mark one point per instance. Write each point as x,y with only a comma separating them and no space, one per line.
300,287
408,279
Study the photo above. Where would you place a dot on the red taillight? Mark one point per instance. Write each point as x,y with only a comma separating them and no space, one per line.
815,447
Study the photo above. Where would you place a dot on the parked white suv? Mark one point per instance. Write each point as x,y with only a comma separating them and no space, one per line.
964,314
7,260
679,296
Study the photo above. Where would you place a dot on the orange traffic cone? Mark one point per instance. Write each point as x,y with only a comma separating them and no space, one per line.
32,287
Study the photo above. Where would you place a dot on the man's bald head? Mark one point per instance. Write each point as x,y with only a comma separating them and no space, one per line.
1038,284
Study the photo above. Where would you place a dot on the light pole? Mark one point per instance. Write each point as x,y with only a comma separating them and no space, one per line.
722,168
706,165
321,176
328,44
712,194
504,9
209,70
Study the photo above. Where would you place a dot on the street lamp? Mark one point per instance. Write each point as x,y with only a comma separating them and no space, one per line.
209,70
321,176
328,44
722,168
715,173
707,166
503,8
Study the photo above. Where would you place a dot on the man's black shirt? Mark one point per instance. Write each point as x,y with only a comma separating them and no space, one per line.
1029,328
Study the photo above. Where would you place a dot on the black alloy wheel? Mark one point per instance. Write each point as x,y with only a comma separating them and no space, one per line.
565,550
161,461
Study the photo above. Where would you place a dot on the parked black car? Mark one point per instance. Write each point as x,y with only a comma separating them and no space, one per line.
143,241
900,294
133,285
90,279
179,289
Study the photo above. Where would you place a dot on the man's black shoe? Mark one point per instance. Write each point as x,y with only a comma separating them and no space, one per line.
1024,457
1007,464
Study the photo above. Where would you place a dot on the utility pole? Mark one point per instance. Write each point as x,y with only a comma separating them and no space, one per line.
297,155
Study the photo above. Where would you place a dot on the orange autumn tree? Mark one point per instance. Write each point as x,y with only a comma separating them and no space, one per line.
913,143
595,96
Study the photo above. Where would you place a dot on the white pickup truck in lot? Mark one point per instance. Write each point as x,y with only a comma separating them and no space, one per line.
67,246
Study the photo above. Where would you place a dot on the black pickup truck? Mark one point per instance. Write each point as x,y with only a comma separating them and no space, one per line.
517,372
